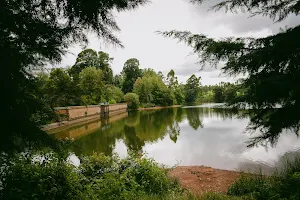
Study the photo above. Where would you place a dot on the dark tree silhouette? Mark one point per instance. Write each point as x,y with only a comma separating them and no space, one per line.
34,33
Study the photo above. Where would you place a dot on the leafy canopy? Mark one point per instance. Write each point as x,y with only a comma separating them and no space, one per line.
270,63
90,58
131,72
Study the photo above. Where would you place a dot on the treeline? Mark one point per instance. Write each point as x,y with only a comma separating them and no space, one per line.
219,93
91,80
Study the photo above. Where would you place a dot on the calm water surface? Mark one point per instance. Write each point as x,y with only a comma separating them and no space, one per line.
186,136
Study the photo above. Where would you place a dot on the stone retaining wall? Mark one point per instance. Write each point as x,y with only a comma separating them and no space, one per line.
76,112
74,115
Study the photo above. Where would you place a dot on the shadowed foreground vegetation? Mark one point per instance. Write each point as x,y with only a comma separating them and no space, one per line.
45,175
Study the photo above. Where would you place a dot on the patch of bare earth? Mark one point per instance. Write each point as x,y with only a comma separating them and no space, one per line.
200,179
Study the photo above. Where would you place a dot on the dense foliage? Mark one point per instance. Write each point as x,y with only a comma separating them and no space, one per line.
270,63
222,92
283,184
34,33
132,100
47,176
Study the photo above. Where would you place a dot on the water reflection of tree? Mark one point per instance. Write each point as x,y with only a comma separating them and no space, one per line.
193,117
222,113
139,128
153,125
133,143
142,127
101,141
179,114
174,131
133,118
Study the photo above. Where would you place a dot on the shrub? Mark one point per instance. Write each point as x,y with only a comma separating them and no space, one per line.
50,179
98,177
132,100
257,186
148,105
282,185
112,101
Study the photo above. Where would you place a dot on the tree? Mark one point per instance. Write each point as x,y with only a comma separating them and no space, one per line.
113,94
104,65
144,87
218,94
177,92
171,80
40,91
193,117
152,90
59,87
35,35
192,88
131,72
161,75
90,58
118,80
90,82
86,58
132,100
270,62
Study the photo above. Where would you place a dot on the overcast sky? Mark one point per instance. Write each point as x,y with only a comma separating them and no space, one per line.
163,54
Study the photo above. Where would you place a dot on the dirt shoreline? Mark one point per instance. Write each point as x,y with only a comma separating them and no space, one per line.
159,107
201,179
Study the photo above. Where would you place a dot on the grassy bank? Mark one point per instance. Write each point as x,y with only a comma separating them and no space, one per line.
46,176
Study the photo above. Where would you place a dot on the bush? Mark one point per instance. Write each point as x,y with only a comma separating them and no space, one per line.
98,177
282,185
257,186
132,100
50,179
113,93
148,105
112,101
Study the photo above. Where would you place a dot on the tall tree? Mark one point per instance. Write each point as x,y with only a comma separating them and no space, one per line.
131,72
90,58
33,33
172,80
152,90
59,87
173,85
218,94
91,84
192,88
86,58
104,64
118,80
272,63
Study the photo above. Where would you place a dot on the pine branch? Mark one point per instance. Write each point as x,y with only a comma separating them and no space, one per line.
276,10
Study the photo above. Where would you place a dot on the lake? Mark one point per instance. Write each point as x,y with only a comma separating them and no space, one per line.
191,135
